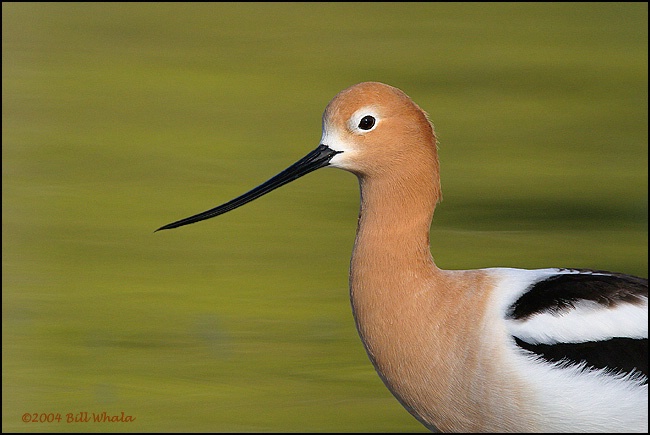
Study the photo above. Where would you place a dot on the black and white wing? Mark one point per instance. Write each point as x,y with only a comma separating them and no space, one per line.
595,318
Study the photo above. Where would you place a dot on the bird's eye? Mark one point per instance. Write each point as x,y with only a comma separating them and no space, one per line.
367,122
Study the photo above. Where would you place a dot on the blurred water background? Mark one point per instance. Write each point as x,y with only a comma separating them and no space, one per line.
119,118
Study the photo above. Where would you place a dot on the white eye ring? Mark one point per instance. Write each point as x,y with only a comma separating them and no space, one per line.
363,120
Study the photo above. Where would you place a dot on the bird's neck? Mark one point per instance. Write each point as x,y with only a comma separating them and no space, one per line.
392,243
421,326
402,303
392,274
391,260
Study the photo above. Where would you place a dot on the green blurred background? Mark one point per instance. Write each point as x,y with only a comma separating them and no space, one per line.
119,118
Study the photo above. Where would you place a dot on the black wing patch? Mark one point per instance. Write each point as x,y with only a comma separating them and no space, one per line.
561,292
617,354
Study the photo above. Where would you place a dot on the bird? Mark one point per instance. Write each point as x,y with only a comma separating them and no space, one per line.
487,350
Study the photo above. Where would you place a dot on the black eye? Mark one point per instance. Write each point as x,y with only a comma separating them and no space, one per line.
367,122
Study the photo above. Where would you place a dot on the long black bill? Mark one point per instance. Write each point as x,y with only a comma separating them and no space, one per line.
316,159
